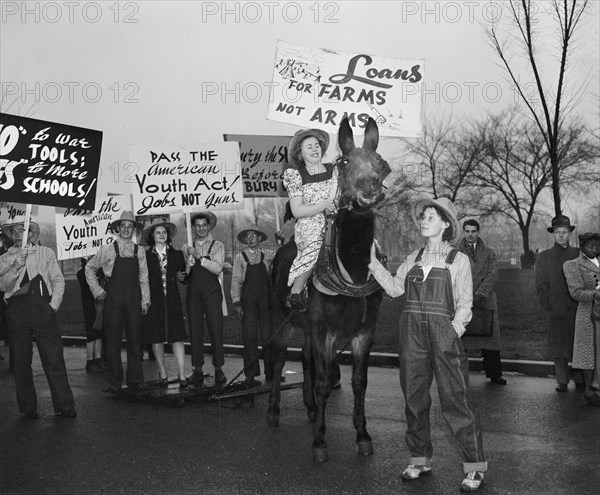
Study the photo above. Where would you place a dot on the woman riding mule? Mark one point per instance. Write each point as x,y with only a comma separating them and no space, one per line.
332,315
311,185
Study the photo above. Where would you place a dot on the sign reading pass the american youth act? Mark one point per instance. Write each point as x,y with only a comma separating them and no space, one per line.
181,178
46,163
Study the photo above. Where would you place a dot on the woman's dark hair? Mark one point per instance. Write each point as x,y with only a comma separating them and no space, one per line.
449,232
297,151
587,237
150,237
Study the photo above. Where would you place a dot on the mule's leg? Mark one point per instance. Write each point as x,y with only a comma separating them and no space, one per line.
308,369
322,355
279,352
361,349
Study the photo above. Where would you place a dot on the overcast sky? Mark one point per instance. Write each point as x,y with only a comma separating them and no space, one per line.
139,71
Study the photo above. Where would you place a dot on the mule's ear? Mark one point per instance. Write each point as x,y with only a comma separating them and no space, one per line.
371,136
346,137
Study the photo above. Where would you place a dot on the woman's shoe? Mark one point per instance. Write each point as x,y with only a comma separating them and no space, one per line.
163,382
184,383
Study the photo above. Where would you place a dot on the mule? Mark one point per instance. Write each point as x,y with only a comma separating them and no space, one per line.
343,300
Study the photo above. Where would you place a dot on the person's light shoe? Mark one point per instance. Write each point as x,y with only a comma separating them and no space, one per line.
412,472
472,481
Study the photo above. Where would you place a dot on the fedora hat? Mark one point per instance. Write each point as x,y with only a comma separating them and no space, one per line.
157,222
126,215
300,136
34,230
211,218
443,204
561,221
242,234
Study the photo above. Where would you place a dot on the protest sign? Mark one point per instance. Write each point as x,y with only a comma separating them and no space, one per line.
46,163
317,88
263,161
82,233
182,178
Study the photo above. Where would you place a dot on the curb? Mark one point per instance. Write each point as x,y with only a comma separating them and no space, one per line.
381,359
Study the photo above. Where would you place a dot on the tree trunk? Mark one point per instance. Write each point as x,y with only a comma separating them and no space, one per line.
528,256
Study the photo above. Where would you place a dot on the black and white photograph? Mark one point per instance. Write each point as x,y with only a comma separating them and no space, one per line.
308,247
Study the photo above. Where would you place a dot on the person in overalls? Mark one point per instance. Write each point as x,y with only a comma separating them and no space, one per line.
205,295
126,299
439,295
251,297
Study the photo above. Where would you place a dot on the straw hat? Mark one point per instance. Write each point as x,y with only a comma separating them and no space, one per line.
242,234
300,136
443,204
211,218
561,221
126,215
34,230
156,222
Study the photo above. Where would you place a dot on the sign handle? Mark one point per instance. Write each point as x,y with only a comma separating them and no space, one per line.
188,224
26,226
277,224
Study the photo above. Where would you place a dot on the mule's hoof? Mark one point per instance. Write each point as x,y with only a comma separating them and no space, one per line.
320,454
364,447
273,420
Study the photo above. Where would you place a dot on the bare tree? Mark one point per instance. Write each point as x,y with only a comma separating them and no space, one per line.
554,104
515,166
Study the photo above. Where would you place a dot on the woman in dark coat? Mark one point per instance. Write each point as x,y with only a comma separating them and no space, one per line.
164,321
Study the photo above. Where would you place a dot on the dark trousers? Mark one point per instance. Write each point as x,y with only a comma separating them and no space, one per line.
29,316
118,314
257,321
491,363
203,303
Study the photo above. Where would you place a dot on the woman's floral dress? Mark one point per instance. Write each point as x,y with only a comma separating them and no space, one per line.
309,231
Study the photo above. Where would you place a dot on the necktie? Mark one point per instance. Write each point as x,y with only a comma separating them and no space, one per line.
163,270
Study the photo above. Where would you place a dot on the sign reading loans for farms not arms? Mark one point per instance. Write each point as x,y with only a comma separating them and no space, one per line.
176,178
49,164
314,87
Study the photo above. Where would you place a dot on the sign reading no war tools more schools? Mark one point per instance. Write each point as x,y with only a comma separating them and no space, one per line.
176,178
314,87
263,161
83,232
50,164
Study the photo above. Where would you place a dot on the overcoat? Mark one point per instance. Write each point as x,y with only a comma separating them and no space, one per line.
164,320
582,278
484,270
554,296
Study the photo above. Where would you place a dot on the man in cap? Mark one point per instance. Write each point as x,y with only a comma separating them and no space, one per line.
251,296
485,275
34,288
126,299
205,295
561,309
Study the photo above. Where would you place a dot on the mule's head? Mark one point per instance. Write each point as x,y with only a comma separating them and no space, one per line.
361,170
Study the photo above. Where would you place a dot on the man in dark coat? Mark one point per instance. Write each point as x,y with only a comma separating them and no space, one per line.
485,275
553,292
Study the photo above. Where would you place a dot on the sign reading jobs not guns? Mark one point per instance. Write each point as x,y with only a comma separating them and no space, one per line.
263,160
83,232
314,87
46,163
172,179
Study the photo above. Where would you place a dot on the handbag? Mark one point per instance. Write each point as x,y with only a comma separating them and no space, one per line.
481,323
